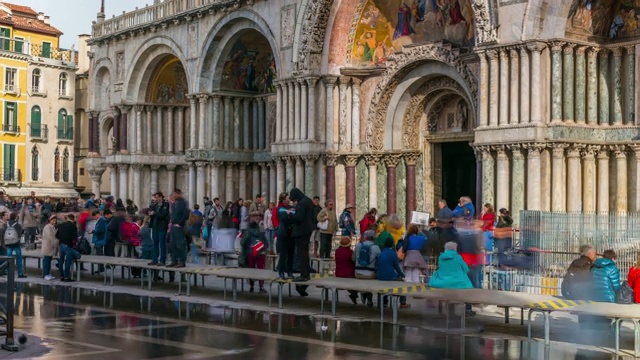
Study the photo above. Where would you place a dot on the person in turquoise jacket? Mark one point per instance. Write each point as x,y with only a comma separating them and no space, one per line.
452,270
606,278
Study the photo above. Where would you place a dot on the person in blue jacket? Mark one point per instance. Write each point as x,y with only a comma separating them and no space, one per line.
465,209
606,278
452,270
100,235
389,268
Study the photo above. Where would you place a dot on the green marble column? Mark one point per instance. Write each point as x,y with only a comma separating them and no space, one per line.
488,176
630,87
420,206
517,182
401,190
617,86
309,175
556,84
580,86
592,86
362,188
603,86
382,189
568,71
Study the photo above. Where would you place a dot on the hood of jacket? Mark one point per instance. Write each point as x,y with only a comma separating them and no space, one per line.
603,262
448,255
296,194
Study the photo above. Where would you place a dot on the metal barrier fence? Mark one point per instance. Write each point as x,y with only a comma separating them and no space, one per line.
7,304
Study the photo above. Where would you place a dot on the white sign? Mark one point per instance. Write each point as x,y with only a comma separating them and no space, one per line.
420,218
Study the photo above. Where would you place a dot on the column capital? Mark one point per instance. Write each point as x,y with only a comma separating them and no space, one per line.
263,164
329,80
149,108
568,48
138,108
516,151
123,166
499,149
215,96
154,167
96,173
574,151
556,46
372,159
137,166
201,164
620,151
636,150
230,163
604,53
533,149
492,54
356,82
504,54
288,159
411,159
203,98
589,152
603,153
391,160
630,49
310,158
124,107
93,113
191,97
617,51
592,52
514,52
170,167
557,149
351,160
236,101
580,50
331,159
344,80
217,163
301,81
242,166
536,46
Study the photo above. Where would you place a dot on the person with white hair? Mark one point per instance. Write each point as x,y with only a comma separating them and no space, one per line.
465,209
452,270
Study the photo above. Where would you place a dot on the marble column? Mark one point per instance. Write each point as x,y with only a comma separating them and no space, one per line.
502,178
91,121
311,117
124,129
215,179
285,112
504,88
201,182
137,187
484,90
603,87
574,180
355,113
494,69
536,81
290,176
236,123
279,122
343,141
514,86
273,191
329,82
113,179
556,83
193,122
603,179
193,184
330,170
246,120
172,135
391,161
123,170
634,187
299,178
617,86
227,131
261,124
180,139
533,176
171,178
229,179
242,181
517,180
256,179
592,86
568,99
488,175
298,105
622,201
589,179
292,119
264,182
215,127
581,91
116,130
309,174
372,165
525,86
159,127
138,129
411,202
96,180
304,112
630,85
350,162
154,178
148,134
254,126
558,179
280,175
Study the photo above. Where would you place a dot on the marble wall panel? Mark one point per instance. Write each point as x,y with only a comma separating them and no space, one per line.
382,189
362,189
401,191
341,188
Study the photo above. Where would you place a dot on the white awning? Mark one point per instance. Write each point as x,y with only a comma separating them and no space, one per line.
40,192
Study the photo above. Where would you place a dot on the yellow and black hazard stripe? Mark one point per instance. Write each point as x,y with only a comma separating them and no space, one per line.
406,290
557,304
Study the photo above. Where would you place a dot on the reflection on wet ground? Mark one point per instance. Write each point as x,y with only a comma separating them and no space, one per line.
86,323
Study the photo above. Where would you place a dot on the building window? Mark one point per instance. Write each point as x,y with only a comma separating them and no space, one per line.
65,165
46,50
36,86
5,39
65,125
10,80
18,45
35,164
62,84
36,122
9,171
10,122
56,165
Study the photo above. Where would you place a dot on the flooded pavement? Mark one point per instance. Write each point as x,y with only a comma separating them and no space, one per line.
81,323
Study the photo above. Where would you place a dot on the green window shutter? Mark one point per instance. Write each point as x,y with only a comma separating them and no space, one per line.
6,43
18,47
15,115
36,117
69,128
46,50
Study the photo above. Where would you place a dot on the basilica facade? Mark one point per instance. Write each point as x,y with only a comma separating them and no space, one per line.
377,103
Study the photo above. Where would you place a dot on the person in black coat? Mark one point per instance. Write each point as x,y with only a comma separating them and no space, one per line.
113,233
303,225
179,216
67,233
159,212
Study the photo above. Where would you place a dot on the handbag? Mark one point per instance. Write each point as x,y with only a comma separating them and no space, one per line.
323,225
625,294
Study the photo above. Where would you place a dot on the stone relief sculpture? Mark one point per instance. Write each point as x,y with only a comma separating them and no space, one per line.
485,31
312,36
120,66
287,25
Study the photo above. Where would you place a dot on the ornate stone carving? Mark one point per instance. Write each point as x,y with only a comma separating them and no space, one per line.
536,46
557,149
556,46
485,30
154,167
603,152
398,65
351,160
329,80
170,167
331,159
568,49
411,159
372,159
309,159
122,167
391,160
620,151
137,166
604,53
96,173
516,151
533,149
201,164
203,98
616,51
574,151
312,34
592,52
590,151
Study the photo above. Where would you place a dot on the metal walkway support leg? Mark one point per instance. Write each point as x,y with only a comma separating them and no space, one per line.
10,344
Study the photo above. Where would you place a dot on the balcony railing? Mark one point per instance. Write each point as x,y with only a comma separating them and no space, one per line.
44,51
38,90
38,132
10,174
65,134
11,88
63,92
149,14
11,128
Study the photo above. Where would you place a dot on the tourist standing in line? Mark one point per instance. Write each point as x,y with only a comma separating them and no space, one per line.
606,278
328,217
29,216
303,225
12,234
346,222
269,229
285,244
178,220
368,219
159,214
50,246
67,233
315,237
100,235
244,216
114,236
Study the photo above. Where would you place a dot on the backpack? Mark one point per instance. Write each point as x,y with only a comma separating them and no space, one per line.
364,256
625,295
343,220
11,236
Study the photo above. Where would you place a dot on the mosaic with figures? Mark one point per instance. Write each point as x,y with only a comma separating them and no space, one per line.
250,65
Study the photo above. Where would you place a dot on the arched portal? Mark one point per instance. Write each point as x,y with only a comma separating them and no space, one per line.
107,137
168,82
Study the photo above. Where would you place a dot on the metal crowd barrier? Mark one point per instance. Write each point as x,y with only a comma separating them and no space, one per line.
7,304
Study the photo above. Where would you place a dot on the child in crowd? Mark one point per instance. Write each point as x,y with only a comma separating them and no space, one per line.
345,265
50,246
253,251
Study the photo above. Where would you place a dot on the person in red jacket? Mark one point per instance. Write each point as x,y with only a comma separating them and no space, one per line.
488,221
368,220
345,265
634,281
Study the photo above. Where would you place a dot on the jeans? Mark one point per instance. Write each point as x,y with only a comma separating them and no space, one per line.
325,245
46,265
17,250
30,235
268,235
195,258
159,246
286,251
302,244
178,245
100,252
66,258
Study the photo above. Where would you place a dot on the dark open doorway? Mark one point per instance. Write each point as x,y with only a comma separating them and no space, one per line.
458,172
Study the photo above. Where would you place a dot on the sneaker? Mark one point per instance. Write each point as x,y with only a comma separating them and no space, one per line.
49,278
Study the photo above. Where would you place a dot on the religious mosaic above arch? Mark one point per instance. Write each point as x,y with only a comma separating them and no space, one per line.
604,18
168,84
250,65
380,27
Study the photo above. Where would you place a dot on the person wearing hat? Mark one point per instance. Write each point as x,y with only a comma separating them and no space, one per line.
345,264
346,222
50,246
365,258
327,216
